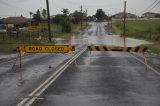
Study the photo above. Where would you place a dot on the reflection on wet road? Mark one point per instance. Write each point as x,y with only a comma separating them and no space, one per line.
35,69
104,79
99,79
98,35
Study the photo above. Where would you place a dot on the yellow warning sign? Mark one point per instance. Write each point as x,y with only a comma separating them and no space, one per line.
48,48
34,29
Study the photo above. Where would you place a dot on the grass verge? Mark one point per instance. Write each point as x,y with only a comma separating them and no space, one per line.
57,29
10,45
142,29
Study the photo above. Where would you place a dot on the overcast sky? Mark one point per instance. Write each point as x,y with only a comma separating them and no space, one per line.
18,7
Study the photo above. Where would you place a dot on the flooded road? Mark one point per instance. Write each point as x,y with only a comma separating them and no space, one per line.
16,84
104,79
98,35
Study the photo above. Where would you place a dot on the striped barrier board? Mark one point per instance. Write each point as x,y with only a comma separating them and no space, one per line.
115,48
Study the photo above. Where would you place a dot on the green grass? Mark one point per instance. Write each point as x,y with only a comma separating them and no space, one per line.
54,27
57,29
10,45
142,29
154,47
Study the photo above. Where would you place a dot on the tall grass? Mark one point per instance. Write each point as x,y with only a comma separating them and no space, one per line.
144,29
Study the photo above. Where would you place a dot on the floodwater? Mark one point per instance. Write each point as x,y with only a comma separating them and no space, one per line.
96,34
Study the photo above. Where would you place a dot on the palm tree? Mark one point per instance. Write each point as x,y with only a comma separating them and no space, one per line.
30,13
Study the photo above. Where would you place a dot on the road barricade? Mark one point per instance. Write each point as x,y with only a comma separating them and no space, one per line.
117,48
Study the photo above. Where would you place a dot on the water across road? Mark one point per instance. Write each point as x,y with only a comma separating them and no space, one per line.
97,78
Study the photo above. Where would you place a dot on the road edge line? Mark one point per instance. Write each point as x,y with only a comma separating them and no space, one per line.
150,67
53,77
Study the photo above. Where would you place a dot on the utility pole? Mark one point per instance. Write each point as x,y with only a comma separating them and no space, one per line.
124,27
49,23
86,16
81,17
111,21
111,25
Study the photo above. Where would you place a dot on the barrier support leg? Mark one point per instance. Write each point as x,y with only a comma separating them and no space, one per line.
20,60
21,81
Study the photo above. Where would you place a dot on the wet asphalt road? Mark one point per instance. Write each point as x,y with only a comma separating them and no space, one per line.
114,79
35,69
104,79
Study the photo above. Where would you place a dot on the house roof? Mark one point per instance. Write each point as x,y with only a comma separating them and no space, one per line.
122,13
150,13
14,20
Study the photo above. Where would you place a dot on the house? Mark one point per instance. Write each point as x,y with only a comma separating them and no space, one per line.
17,22
2,27
121,15
150,15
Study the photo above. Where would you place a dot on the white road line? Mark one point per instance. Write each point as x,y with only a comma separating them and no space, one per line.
154,70
38,91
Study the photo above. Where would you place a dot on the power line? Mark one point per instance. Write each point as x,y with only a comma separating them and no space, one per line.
154,6
15,7
81,16
9,5
146,9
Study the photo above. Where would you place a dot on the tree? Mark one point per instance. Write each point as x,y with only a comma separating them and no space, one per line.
37,16
76,17
65,11
63,21
90,18
44,13
100,15
31,14
66,25
58,18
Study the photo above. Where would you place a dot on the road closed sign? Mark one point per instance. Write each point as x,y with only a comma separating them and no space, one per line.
48,48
